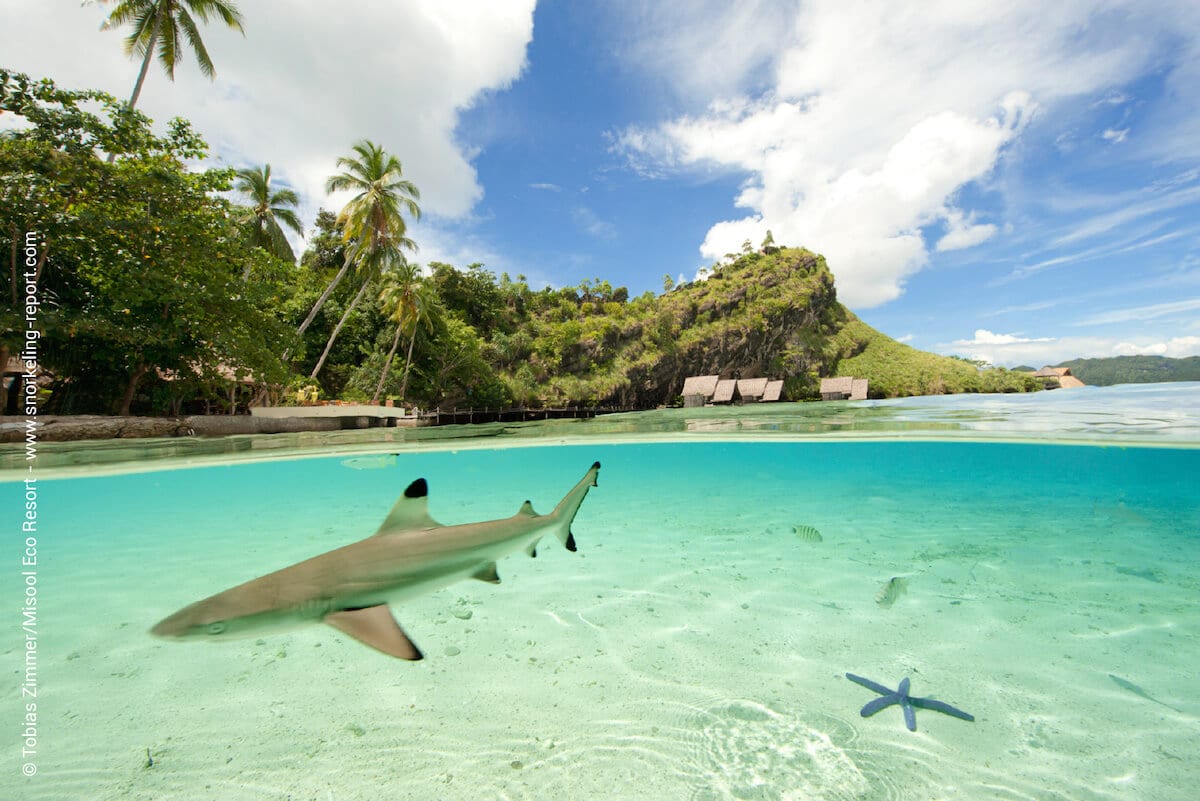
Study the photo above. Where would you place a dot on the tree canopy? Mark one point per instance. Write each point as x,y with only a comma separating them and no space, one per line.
143,258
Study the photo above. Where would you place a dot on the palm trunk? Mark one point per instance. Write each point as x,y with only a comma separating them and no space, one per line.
141,79
387,364
321,301
312,315
338,329
408,363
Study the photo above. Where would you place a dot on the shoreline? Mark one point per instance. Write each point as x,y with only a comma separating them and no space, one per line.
83,427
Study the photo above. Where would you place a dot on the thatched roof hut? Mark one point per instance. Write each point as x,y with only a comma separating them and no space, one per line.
698,390
704,385
1058,377
751,389
858,389
836,388
724,392
773,392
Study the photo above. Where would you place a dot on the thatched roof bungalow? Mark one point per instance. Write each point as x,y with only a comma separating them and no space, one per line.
751,389
1060,377
725,391
837,388
698,389
773,392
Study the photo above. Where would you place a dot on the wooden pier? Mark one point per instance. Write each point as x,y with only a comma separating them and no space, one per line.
349,416
514,414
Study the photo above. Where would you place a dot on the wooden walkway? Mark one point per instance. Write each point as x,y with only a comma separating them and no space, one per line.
370,416
515,414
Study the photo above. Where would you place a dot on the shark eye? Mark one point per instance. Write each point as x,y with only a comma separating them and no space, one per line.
216,628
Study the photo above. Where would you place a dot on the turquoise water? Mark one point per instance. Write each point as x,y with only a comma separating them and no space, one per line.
693,648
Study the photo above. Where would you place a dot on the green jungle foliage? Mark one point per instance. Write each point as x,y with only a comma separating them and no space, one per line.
139,262
773,314
1134,370
155,295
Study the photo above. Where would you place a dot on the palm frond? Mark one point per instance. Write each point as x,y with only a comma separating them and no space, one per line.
288,218
192,33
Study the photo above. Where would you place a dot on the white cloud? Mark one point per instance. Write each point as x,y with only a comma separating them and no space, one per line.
879,112
1177,347
1140,313
963,232
1053,350
985,337
546,187
306,81
1114,136
591,224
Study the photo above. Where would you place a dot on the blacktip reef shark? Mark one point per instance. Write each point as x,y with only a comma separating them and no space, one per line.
350,588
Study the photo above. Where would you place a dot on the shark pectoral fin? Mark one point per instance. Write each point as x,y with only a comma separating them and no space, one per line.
487,573
531,550
411,510
375,626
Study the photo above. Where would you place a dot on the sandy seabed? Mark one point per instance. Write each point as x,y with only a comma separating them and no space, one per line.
694,648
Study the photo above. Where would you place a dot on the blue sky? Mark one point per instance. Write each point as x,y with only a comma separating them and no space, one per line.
1018,184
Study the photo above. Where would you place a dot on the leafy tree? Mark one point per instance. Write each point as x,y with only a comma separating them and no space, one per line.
668,282
162,26
373,225
474,295
142,259
456,370
267,210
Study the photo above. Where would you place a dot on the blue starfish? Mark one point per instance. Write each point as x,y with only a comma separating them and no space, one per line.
907,703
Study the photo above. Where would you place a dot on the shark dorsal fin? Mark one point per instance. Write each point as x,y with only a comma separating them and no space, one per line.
527,510
411,510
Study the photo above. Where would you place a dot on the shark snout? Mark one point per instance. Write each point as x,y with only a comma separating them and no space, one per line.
169,627
185,623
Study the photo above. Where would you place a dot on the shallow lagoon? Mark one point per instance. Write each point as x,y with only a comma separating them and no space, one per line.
695,647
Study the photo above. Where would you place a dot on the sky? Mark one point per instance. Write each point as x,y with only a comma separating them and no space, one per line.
1016,182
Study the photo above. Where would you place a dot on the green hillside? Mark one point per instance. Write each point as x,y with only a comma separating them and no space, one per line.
773,314
1134,370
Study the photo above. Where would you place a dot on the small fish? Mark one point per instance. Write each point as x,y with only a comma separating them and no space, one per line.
892,589
807,533
1138,691
370,462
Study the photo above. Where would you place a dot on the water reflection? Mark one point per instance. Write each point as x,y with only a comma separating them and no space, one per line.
1133,414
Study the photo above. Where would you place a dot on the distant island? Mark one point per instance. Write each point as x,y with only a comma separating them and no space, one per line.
1134,370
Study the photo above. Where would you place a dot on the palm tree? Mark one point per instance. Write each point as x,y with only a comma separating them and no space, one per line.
409,301
373,225
266,211
163,26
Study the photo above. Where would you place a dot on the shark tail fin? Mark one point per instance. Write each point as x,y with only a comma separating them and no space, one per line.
568,507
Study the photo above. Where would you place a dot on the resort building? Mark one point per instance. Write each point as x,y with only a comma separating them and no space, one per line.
1058,378
704,390
844,388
